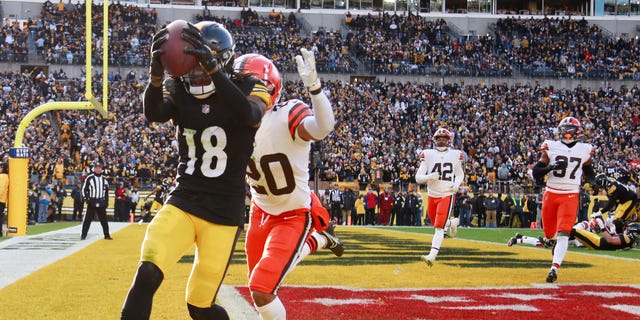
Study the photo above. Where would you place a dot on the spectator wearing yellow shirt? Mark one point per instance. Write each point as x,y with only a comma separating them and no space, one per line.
359,205
58,171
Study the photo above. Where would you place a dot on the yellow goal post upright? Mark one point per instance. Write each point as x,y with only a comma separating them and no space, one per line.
19,155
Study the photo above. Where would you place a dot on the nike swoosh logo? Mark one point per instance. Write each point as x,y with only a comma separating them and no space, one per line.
289,217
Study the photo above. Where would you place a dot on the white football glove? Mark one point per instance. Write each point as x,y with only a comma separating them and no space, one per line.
433,176
596,214
454,189
307,70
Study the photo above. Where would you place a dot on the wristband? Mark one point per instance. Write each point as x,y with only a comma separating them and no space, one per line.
316,91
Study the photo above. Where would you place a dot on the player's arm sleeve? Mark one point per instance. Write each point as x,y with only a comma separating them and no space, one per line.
156,107
610,204
459,172
543,166
540,170
323,121
588,173
421,174
251,107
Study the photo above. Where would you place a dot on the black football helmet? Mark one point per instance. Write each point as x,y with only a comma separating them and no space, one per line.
197,82
601,182
220,41
634,227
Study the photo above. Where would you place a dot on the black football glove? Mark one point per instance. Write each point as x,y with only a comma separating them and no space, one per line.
559,165
156,69
201,49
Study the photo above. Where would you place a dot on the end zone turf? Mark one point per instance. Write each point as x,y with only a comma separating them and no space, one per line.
380,272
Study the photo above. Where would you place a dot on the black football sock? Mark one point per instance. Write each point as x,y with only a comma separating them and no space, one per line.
215,312
140,298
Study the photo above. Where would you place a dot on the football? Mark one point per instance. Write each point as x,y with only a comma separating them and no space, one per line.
175,61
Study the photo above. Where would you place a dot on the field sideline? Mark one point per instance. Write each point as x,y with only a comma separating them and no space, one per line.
380,276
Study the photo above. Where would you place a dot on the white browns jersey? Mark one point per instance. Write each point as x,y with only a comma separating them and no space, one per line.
569,179
278,171
449,164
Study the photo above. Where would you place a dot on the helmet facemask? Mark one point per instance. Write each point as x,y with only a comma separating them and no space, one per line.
569,129
442,139
568,133
198,83
226,57
442,142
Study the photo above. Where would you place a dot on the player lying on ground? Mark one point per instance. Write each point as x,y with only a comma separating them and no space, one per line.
585,234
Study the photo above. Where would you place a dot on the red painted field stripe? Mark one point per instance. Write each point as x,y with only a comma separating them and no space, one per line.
545,302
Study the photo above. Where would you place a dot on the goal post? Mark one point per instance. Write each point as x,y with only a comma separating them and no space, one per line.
19,155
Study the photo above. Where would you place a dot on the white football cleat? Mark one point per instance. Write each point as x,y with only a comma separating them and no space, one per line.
455,222
429,259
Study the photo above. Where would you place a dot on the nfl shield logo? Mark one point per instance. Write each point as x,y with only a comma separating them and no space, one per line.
205,108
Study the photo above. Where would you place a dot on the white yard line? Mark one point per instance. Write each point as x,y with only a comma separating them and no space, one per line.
21,256
235,304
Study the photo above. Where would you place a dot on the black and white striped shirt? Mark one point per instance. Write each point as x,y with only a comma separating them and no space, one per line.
95,187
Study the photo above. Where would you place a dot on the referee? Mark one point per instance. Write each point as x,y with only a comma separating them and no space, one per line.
96,194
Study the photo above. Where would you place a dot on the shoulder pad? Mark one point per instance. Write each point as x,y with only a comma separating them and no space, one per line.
544,146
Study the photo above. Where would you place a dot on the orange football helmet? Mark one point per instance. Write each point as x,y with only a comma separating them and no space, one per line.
262,68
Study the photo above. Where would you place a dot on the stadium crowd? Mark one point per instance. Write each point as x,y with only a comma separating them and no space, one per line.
381,128
385,43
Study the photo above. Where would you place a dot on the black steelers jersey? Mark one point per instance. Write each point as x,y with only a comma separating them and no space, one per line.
215,141
161,194
618,193
627,241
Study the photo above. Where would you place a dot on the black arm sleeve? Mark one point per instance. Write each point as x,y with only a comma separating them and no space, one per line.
234,96
540,170
588,173
156,109
610,204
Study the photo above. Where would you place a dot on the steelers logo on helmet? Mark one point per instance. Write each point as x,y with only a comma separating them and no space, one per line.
197,81
442,139
569,129
262,68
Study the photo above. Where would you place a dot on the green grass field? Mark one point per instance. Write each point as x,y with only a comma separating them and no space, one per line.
497,235
502,235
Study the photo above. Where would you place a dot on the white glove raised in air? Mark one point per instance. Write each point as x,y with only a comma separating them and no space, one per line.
307,70
433,176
